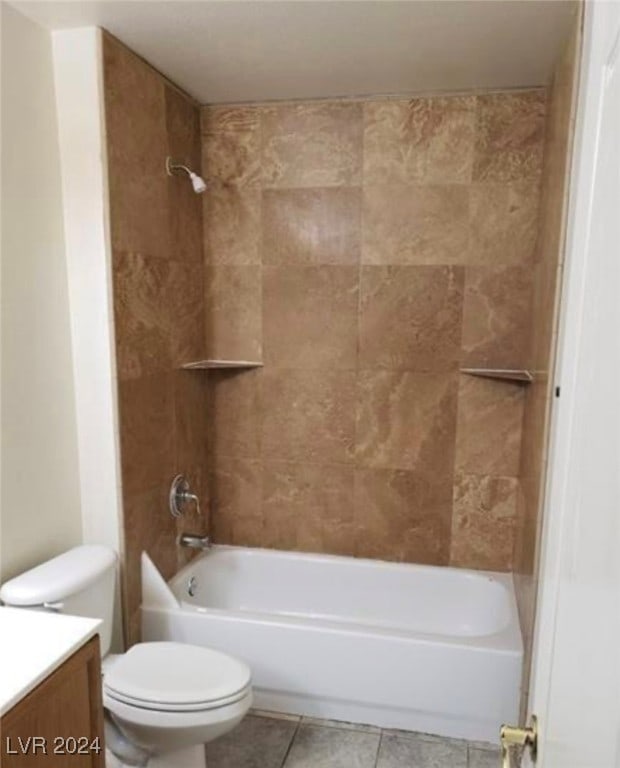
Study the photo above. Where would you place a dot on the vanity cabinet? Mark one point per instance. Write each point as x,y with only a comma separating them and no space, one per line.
60,723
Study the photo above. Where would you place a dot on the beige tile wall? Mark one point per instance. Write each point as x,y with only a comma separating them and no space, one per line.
156,231
365,251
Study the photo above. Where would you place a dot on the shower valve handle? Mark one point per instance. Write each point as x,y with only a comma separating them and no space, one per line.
181,494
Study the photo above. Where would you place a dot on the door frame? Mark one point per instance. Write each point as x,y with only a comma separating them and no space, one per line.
558,528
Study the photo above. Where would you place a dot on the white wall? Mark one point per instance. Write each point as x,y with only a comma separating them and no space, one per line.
79,98
80,104
40,493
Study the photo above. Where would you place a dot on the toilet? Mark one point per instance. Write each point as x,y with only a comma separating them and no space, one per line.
163,701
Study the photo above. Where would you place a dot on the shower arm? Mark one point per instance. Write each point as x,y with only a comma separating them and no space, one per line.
198,183
172,168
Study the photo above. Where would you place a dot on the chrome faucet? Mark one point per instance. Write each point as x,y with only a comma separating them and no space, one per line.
180,495
194,541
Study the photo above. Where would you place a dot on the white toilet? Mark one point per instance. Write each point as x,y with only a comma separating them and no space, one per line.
163,701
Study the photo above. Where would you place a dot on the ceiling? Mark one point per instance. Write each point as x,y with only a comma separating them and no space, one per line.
235,51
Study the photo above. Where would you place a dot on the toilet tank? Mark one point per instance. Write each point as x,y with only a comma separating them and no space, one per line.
79,582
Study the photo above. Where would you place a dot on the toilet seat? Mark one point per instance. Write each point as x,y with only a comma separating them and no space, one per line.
147,727
175,677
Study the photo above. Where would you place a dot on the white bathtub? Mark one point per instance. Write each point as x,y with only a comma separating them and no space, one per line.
428,649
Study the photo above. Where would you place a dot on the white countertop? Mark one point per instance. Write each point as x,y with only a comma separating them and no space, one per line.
33,644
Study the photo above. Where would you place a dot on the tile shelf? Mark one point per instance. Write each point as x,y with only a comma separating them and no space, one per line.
521,376
220,365
518,375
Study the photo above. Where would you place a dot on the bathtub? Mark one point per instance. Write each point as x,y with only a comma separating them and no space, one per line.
428,649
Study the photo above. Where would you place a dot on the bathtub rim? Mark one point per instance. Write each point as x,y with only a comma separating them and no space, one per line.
506,640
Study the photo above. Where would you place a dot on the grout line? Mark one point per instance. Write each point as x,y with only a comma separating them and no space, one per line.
269,715
340,725
290,745
381,732
364,97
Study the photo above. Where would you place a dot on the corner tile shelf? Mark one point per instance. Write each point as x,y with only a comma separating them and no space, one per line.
517,375
220,365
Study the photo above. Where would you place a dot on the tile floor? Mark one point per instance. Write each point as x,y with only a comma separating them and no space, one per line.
265,740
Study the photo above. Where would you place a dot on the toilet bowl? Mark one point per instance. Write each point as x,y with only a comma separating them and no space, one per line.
165,697
163,701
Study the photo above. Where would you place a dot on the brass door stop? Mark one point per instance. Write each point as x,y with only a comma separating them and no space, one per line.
510,736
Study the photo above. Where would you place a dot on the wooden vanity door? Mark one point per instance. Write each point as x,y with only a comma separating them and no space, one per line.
65,712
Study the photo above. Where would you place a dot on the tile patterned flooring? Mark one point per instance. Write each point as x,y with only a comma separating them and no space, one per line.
266,740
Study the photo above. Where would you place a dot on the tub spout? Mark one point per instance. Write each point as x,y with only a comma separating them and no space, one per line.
194,541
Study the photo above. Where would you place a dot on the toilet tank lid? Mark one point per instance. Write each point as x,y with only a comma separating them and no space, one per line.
60,577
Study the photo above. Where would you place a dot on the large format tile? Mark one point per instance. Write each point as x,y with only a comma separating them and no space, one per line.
183,128
141,323
310,317
316,747
309,416
231,159
403,515
184,205
406,420
229,118
311,226
415,752
308,507
235,488
148,527
191,423
483,520
438,199
496,317
338,537
232,223
190,451
158,313
310,534
281,529
233,312
257,742
231,147
185,301
503,223
146,410
450,153
509,135
415,224
136,151
135,109
537,404
547,277
395,141
319,491
410,317
419,140
488,433
235,399
314,144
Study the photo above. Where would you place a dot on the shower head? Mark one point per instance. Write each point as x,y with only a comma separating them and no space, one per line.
198,183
